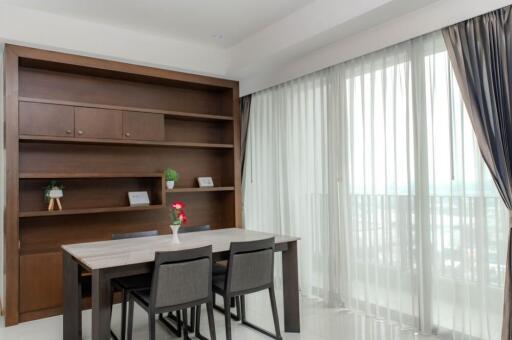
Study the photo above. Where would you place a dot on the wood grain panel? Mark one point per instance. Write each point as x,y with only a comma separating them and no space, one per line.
82,193
143,126
190,163
82,88
40,281
11,230
198,131
98,123
46,119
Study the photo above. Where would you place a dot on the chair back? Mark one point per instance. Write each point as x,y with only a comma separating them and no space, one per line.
251,266
194,229
135,234
182,278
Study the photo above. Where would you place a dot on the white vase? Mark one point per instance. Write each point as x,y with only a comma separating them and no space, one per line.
169,184
175,230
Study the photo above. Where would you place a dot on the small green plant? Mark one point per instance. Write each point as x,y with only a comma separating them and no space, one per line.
171,175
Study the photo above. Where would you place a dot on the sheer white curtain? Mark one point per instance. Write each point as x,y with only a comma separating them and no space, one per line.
373,163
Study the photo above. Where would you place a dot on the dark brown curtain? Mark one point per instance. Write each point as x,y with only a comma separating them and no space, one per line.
245,112
480,51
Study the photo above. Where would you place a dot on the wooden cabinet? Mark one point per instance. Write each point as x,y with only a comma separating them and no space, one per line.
98,123
143,126
46,120
103,129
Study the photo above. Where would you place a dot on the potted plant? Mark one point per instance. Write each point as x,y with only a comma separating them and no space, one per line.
53,192
178,217
171,177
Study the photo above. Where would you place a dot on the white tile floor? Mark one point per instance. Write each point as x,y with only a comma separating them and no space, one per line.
318,323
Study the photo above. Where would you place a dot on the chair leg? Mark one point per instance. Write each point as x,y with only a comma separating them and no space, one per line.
274,312
123,315
198,321
227,317
192,319
151,319
237,305
211,321
242,308
185,324
130,319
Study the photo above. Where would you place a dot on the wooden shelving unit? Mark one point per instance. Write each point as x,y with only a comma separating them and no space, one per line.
46,213
100,141
103,129
57,175
213,189
178,114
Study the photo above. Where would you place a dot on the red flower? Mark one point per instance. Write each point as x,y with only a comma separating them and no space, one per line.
178,205
182,217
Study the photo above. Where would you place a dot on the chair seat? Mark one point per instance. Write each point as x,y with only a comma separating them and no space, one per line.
142,295
133,282
218,282
219,268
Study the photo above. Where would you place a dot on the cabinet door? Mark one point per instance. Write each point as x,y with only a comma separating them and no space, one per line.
98,123
40,281
143,126
46,120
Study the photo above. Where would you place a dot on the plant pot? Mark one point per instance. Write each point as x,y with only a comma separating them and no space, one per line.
175,230
169,184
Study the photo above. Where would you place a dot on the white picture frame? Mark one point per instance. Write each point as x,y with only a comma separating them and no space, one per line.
138,198
205,182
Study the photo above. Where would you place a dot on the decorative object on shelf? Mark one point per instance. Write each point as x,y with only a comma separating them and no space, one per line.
171,177
138,198
53,193
178,217
205,182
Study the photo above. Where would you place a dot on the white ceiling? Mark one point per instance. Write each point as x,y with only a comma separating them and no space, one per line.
217,22
264,42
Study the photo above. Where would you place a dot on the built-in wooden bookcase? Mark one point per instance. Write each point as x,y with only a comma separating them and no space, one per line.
102,129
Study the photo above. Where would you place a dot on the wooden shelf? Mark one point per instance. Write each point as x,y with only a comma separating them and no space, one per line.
68,140
45,213
50,175
177,114
183,190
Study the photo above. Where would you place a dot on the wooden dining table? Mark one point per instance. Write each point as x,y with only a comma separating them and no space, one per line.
107,260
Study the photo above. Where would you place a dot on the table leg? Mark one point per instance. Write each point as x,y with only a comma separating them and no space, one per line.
72,315
101,307
291,289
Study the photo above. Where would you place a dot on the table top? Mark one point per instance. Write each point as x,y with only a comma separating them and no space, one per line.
115,253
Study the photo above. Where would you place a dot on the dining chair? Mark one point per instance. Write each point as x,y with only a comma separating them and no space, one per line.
193,312
250,270
180,280
130,283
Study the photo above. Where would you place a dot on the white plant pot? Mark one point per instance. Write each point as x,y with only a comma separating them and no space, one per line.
175,230
170,184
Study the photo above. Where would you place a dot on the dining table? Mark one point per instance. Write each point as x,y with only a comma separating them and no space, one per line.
107,260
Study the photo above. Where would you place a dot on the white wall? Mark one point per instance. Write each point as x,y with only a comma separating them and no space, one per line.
44,30
425,20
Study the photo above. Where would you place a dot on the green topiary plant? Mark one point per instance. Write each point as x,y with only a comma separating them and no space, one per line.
171,175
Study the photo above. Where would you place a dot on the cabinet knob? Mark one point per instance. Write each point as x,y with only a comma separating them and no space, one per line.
80,132
127,134
68,132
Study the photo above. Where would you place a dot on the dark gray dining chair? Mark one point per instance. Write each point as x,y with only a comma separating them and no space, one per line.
177,318
250,270
130,283
180,280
